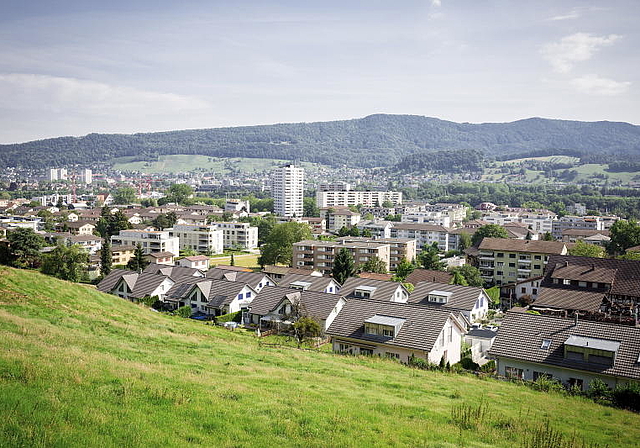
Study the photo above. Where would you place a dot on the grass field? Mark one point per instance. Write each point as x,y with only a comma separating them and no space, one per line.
245,260
81,368
185,163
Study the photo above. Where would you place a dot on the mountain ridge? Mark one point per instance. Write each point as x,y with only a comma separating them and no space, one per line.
374,140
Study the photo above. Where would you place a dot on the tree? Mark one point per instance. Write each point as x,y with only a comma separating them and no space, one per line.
548,237
366,233
488,231
624,234
353,231
65,262
305,328
105,258
582,249
111,224
458,279
24,248
278,245
344,231
184,311
464,241
387,204
374,264
310,209
124,195
429,258
470,273
179,193
343,266
232,261
138,262
403,270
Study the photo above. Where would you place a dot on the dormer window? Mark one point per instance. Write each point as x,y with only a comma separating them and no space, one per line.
380,325
299,284
364,291
439,296
601,352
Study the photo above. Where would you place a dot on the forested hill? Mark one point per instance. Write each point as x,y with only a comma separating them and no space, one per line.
376,140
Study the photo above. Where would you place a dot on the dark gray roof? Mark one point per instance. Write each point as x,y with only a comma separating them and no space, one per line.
520,337
480,333
109,282
146,283
312,303
462,297
219,292
252,279
569,299
177,273
180,289
420,330
529,246
428,275
268,298
318,284
384,290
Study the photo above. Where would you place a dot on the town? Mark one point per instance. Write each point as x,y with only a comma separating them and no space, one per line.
521,293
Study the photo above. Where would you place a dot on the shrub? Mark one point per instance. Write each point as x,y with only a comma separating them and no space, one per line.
489,367
184,311
599,390
546,384
468,364
627,396
149,301
231,317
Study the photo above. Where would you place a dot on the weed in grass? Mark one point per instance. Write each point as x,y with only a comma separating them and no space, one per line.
469,416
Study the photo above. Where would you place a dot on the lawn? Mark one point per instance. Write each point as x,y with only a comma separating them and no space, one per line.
244,260
81,368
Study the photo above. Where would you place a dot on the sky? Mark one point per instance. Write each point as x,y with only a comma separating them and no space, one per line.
77,67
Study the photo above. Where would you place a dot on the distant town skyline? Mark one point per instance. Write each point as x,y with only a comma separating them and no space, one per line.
73,68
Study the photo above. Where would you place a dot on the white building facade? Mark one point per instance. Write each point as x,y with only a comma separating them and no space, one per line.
288,191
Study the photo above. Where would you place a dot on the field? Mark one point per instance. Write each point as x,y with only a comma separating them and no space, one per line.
245,260
81,368
186,163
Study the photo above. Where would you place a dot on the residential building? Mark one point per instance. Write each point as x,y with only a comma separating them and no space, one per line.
378,212
471,301
238,235
576,222
238,206
377,229
366,288
424,234
320,255
205,239
256,280
335,186
338,217
503,260
288,190
120,255
428,217
574,352
310,283
164,258
86,176
428,275
90,243
279,272
196,261
150,240
132,285
79,227
397,330
346,198
210,297
590,236
399,248
480,341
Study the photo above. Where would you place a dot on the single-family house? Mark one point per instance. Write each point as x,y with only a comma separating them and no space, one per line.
212,297
196,261
257,280
472,302
366,288
310,283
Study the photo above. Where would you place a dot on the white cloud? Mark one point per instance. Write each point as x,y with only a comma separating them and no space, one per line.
574,14
577,12
596,85
436,3
70,95
575,48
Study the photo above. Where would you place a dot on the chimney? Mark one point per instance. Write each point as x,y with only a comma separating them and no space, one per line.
566,264
575,319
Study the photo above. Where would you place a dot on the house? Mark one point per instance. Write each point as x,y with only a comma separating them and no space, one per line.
574,352
480,341
165,258
278,272
211,297
397,330
79,227
310,283
472,302
365,288
132,285
90,243
503,260
568,302
238,235
526,290
120,255
177,273
590,236
280,307
338,217
428,275
376,276
197,261
150,240
256,280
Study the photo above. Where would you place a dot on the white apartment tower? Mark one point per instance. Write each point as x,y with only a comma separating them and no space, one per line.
288,190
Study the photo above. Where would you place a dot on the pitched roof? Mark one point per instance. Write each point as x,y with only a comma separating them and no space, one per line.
627,272
585,232
109,282
318,284
384,291
252,279
520,337
584,273
175,272
569,299
197,258
428,275
419,226
233,268
420,330
219,292
462,297
160,254
511,245
268,298
147,283
376,276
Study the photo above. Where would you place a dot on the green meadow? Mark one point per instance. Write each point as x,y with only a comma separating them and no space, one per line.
81,368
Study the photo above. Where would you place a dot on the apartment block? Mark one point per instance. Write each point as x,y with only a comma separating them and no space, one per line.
202,239
339,217
320,255
577,223
424,234
346,198
399,248
288,189
238,235
503,260
150,240
429,217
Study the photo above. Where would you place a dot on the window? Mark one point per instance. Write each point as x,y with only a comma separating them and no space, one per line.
536,266
392,355
500,255
534,291
248,294
366,351
512,255
514,372
499,273
512,265
387,332
546,343
566,281
582,284
523,290
537,257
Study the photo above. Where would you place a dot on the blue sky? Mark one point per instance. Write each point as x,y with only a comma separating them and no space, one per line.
75,67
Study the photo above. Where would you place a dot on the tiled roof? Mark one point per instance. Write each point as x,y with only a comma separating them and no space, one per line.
569,299
314,304
146,284
427,275
268,298
511,245
420,330
252,279
584,273
384,290
585,232
109,282
318,284
175,272
520,337
219,292
419,226
463,297
376,276
160,254
627,275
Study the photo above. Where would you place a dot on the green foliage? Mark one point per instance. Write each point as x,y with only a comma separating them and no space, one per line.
548,237
343,266
230,317
232,260
624,234
403,269
598,390
310,209
184,311
464,241
165,220
24,248
278,245
409,287
458,279
138,262
627,396
150,301
110,224
124,195
630,255
471,275
179,193
429,258
65,262
460,161
305,328
488,231
106,259
374,264
582,249
494,295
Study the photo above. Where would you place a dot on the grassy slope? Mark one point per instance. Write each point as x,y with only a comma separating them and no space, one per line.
78,367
